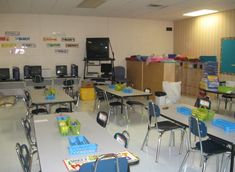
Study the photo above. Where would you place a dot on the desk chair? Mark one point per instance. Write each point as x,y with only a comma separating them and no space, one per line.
227,99
100,97
203,102
106,162
161,127
31,110
24,157
123,138
206,147
119,74
68,87
132,103
102,118
38,79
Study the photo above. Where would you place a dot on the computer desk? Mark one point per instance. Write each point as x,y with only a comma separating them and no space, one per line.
52,147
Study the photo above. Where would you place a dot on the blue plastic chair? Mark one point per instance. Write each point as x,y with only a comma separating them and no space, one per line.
162,127
206,146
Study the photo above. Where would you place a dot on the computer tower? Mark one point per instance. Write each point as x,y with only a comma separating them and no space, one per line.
26,72
16,73
74,70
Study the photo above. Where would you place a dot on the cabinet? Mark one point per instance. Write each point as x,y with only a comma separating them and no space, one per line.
94,73
150,76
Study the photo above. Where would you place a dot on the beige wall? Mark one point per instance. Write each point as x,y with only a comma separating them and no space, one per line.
128,37
202,35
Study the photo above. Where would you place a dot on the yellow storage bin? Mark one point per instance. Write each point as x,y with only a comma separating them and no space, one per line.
87,93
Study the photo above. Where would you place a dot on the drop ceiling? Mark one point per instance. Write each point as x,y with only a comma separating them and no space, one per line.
158,10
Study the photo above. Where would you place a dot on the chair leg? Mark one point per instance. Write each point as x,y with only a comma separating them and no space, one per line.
204,164
184,161
158,146
217,163
145,140
181,141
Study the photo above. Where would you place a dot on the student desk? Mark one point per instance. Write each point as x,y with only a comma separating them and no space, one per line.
122,95
52,147
228,137
38,97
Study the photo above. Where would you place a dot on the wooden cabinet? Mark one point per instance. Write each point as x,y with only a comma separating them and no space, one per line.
143,75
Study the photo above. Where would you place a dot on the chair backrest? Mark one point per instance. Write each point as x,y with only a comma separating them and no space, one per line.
122,138
27,98
203,102
24,157
38,79
100,95
119,73
68,82
109,162
153,109
27,128
102,118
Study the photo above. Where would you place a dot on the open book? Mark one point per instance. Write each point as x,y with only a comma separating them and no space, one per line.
76,163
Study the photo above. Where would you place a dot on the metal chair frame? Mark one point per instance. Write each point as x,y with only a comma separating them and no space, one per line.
102,118
123,138
162,127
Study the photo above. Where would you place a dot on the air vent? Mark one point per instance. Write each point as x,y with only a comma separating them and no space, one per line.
158,6
90,3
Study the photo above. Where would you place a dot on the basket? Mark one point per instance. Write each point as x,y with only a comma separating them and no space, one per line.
80,145
225,89
67,126
184,110
203,114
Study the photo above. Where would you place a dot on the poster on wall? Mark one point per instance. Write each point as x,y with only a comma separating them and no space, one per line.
228,55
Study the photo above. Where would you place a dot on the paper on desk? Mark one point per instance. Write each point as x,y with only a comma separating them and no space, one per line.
40,120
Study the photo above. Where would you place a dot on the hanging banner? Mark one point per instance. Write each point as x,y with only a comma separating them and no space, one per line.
12,33
4,38
61,51
8,45
22,38
68,39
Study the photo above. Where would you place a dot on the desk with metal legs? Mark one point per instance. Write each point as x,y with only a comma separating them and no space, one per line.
53,148
122,95
228,137
38,98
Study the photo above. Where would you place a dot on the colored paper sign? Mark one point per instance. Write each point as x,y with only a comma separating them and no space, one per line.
4,38
68,39
61,51
17,51
29,45
8,45
53,45
12,33
22,38
71,45
49,39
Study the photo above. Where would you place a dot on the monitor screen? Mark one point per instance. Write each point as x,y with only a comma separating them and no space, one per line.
97,48
106,68
35,70
61,70
4,73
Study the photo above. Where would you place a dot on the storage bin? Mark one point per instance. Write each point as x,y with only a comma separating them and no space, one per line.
203,114
87,93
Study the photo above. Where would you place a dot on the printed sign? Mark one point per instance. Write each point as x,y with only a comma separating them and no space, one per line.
61,51
4,38
68,39
71,45
12,33
8,45
49,39
22,38
53,45
29,45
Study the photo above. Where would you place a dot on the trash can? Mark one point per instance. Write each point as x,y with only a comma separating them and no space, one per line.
160,98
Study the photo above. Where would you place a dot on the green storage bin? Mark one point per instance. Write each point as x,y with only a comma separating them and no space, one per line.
225,89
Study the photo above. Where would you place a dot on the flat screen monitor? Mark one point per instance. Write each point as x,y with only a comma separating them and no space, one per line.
35,71
61,70
97,48
4,73
106,68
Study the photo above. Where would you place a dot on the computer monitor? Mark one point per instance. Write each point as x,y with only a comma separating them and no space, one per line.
4,73
35,71
106,69
61,70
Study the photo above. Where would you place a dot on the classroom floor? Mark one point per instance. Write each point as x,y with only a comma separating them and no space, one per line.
11,132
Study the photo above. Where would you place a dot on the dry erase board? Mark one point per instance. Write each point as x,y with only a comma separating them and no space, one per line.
228,55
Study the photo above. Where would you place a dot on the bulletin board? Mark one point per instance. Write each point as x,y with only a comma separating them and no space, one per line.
228,55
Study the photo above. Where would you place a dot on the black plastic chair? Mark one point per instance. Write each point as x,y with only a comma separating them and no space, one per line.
119,74
38,79
68,87
123,138
24,157
207,147
102,118
162,127
203,103
100,97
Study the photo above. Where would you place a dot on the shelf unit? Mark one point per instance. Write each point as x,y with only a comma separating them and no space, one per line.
96,62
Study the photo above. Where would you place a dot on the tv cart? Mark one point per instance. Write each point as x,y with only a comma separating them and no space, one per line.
88,74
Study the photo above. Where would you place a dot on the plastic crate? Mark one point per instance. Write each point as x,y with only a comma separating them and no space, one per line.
127,90
225,89
184,110
80,145
203,114
50,97
67,126
227,126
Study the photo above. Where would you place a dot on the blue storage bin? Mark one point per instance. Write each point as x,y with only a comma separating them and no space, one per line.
184,110
127,90
226,125
50,97
80,145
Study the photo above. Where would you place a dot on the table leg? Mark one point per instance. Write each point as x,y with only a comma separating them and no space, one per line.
122,105
37,108
70,106
232,159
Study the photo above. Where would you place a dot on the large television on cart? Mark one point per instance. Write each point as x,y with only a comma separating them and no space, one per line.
97,48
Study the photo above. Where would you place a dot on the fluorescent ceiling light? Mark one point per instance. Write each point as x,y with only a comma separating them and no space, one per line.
91,3
200,12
